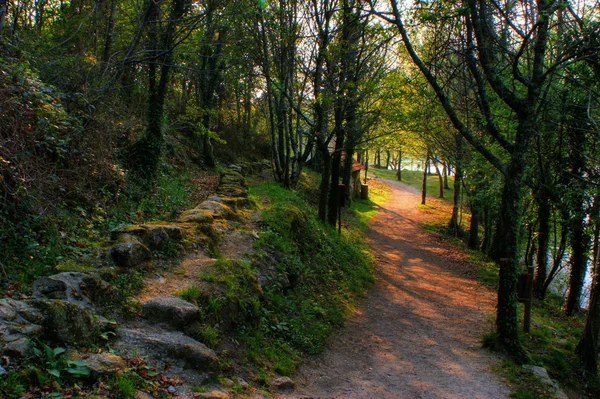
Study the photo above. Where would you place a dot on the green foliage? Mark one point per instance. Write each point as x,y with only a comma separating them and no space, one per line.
124,386
208,335
12,386
56,365
190,294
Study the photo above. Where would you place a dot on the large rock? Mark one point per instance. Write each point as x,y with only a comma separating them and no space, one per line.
196,215
172,310
173,344
127,229
129,252
154,236
159,236
66,323
219,209
87,289
20,322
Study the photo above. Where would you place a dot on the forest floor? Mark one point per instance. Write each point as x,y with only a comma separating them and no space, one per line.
417,333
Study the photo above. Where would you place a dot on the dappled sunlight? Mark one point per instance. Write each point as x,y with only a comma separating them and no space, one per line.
417,334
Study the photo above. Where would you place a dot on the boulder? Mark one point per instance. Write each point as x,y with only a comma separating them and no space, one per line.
201,216
158,236
47,287
19,323
127,229
174,344
129,252
66,323
20,348
219,209
172,310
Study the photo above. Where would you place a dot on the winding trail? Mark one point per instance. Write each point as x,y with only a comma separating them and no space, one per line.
417,333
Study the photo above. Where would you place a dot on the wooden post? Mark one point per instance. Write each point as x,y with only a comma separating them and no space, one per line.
525,296
364,192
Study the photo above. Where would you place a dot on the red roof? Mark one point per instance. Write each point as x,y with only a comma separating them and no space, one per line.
357,166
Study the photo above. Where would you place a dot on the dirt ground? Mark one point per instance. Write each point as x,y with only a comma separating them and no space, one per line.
417,333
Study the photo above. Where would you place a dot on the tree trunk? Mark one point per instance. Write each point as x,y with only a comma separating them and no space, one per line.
110,31
454,226
324,186
446,186
440,178
399,172
424,185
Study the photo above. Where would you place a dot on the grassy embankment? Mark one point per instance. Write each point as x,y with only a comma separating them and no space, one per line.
332,271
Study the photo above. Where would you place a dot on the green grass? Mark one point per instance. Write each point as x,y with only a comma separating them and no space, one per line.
190,294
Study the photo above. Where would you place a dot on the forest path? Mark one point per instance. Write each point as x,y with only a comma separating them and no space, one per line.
417,333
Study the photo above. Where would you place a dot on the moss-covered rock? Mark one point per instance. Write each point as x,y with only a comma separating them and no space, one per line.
76,266
158,236
129,252
66,323
202,216
219,209
127,229
236,203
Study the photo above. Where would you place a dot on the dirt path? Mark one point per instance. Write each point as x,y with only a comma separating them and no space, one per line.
417,333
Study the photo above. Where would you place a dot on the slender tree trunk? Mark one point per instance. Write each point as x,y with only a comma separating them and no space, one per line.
324,186
440,178
424,185
399,172
446,186
454,225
